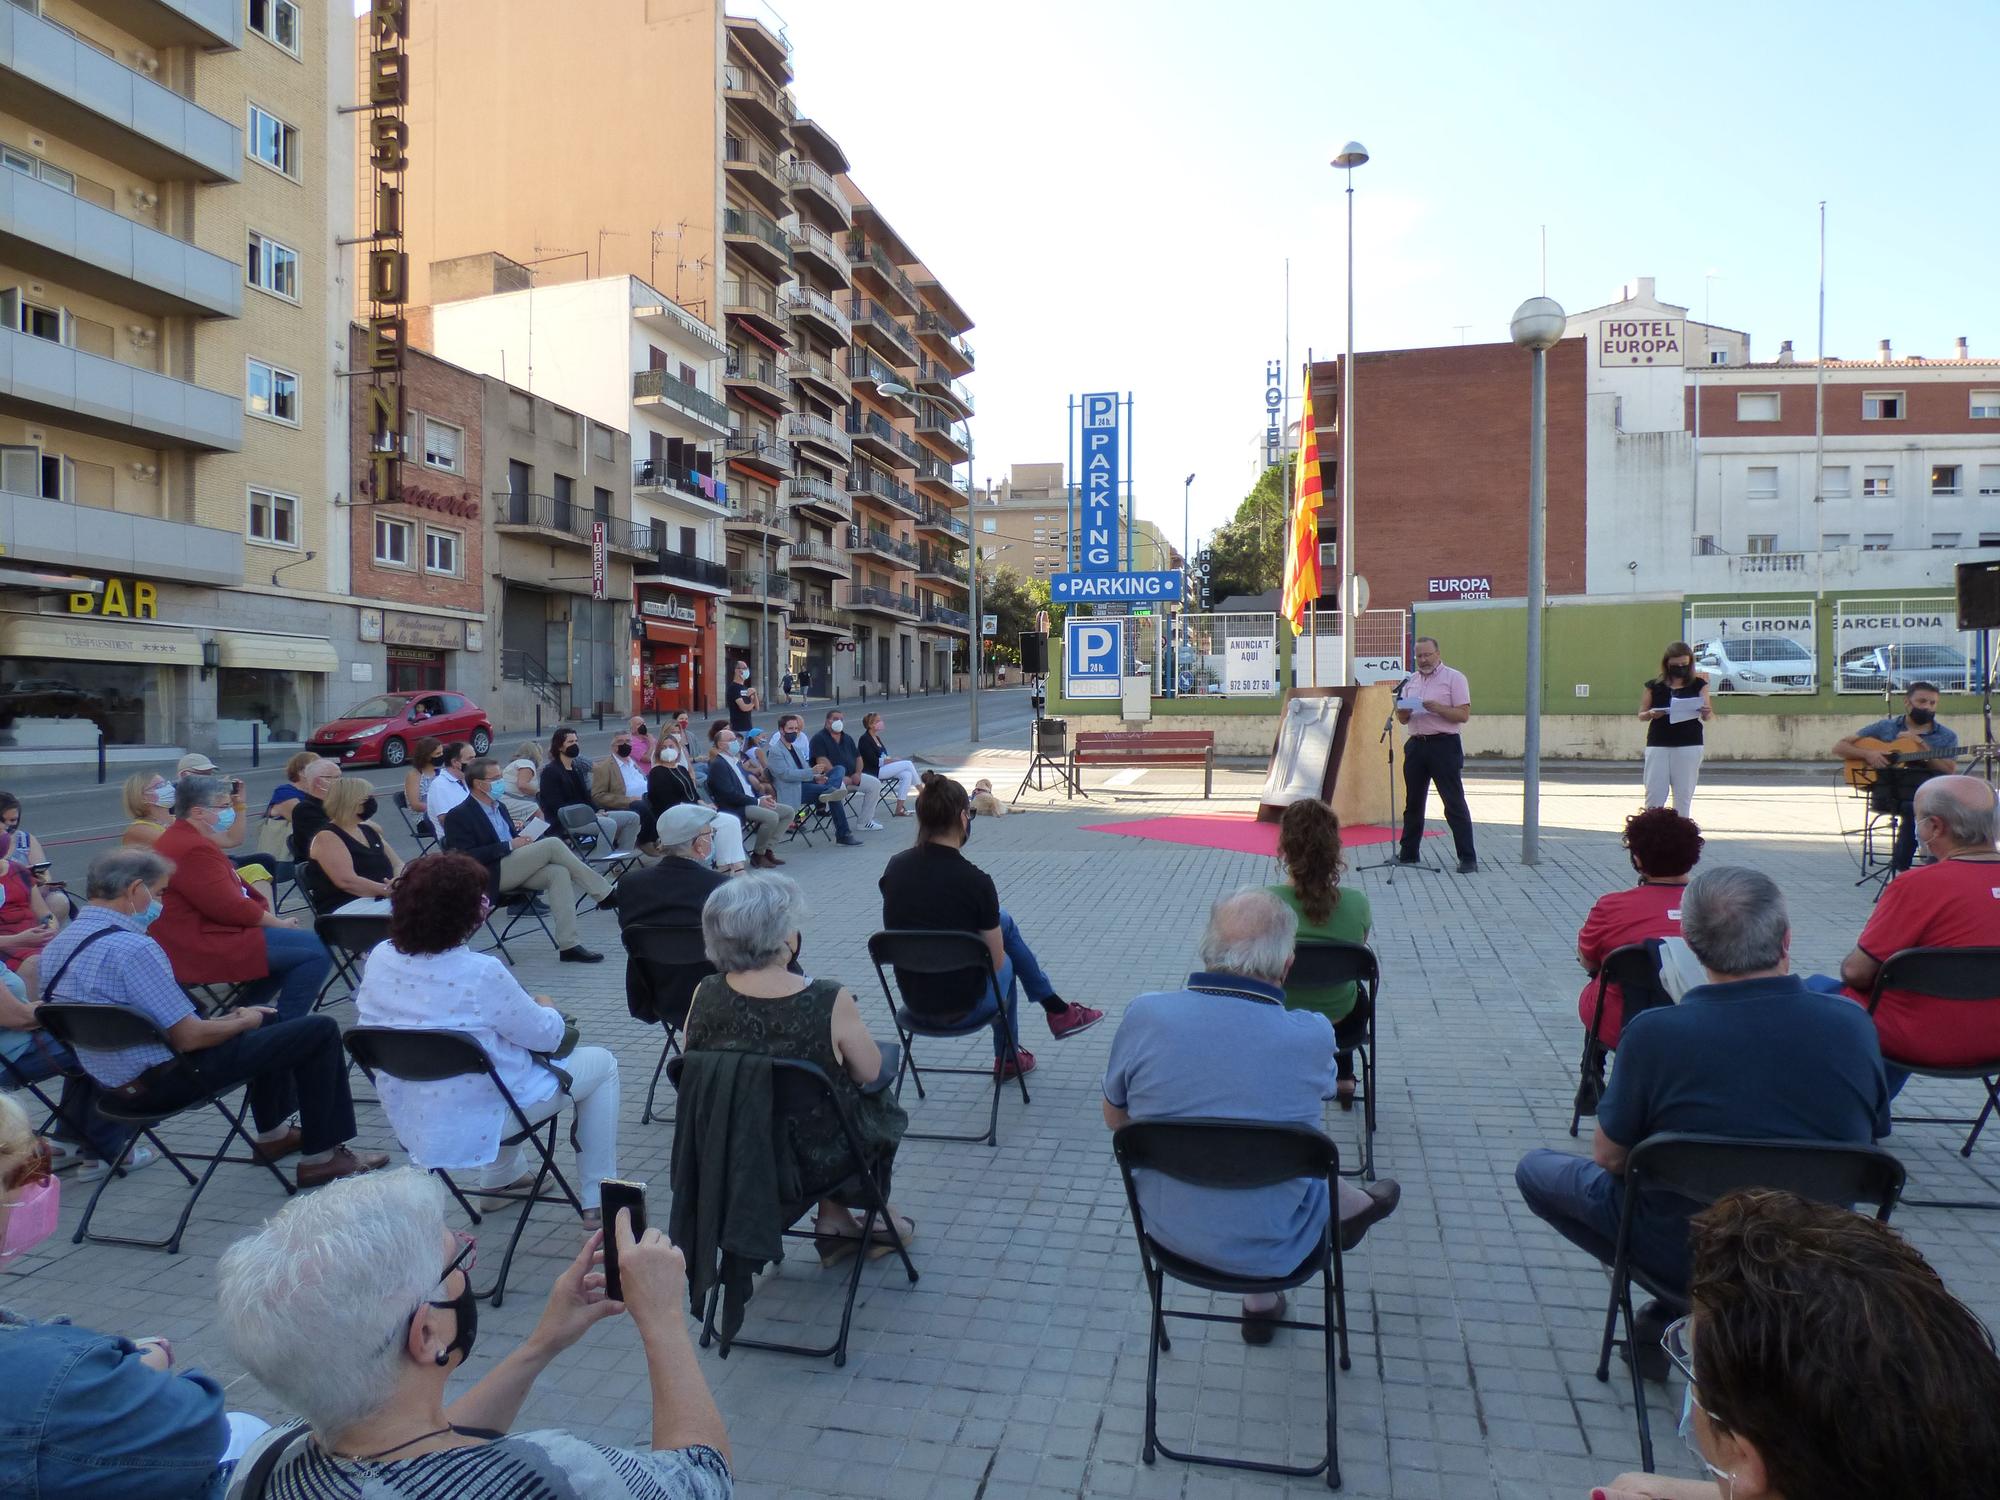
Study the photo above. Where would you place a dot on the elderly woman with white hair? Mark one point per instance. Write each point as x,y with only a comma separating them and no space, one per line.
755,1003
355,1308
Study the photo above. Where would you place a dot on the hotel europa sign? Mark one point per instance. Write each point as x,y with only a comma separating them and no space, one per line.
387,98
1639,341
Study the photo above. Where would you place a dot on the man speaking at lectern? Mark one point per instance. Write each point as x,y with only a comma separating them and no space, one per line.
1434,702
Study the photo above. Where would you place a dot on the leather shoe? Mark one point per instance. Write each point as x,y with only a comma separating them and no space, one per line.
1468,867
580,955
343,1163
851,842
608,903
1407,859
284,1146
1386,1195
1262,1327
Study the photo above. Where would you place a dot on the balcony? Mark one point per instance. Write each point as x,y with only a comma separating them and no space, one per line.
658,388
876,326
565,521
757,305
935,381
769,109
50,382
758,240
765,454
872,434
814,249
811,432
864,599
813,617
951,619
58,83
212,25
934,477
821,376
760,372
760,31
46,231
57,533
663,480
870,483
819,557
807,307
933,562
869,373
867,541
949,350
818,497
756,516
696,571
756,588
754,167
813,182
877,270
935,517
945,434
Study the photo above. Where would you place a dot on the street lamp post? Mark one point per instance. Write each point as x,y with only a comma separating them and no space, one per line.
1538,326
1352,155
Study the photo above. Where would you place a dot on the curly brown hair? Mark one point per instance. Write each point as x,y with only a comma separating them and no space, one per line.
1664,844
434,903
1309,847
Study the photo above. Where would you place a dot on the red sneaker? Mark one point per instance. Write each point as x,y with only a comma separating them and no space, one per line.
1067,1022
1003,1069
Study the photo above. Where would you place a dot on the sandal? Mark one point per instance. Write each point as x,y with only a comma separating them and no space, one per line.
1343,1091
836,1248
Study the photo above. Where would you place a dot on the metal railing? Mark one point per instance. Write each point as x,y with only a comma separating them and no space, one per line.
801,366
866,596
949,428
804,425
803,489
737,293
746,221
864,479
820,554
810,237
749,513
522,666
932,373
770,369
804,298
868,310
735,148
942,614
862,365
811,175
546,513
658,385
771,452
934,324
650,474
774,586
860,247
931,560
692,569
868,539
812,612
778,101
934,515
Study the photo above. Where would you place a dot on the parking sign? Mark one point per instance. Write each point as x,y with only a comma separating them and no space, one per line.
1093,657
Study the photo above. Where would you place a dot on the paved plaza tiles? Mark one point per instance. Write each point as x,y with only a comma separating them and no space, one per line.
1015,1367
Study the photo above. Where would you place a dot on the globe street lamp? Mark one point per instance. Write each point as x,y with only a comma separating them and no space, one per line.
1538,326
1352,155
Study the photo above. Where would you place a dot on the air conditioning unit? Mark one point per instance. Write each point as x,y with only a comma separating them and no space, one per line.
144,199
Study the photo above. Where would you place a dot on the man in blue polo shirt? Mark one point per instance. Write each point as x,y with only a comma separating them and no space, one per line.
1896,782
1753,1053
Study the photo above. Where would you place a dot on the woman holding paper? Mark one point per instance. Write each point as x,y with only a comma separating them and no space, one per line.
1673,708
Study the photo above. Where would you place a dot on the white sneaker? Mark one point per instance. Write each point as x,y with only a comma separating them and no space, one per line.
65,1154
872,826
136,1156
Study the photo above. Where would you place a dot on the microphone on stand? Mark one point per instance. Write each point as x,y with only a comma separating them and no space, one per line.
1389,722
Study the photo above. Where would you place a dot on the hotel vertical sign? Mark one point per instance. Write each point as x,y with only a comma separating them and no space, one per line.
388,149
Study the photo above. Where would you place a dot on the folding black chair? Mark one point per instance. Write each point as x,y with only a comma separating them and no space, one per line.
797,1087
113,1028
816,816
214,997
285,881
669,957
349,940
520,906
1236,1155
577,826
1702,1168
1319,965
420,828
13,1077
1969,976
1635,969
427,1056
913,952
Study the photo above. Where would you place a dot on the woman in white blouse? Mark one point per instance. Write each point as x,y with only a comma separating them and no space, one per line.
426,977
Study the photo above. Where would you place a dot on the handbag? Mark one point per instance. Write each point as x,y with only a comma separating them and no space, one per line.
274,838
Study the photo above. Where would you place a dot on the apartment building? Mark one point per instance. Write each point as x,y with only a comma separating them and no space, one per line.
840,346
172,434
1023,523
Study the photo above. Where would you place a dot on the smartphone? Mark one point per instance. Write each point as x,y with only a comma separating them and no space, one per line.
619,1194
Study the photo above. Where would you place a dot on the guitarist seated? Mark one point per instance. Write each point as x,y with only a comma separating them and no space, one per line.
1903,752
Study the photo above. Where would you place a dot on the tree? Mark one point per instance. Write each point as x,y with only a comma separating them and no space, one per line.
1247,552
1016,600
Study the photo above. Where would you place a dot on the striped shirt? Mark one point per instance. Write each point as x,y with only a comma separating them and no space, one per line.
545,1465
127,968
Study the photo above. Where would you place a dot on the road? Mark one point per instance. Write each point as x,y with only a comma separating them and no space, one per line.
74,817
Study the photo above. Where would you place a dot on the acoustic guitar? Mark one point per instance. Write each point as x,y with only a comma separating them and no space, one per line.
1904,750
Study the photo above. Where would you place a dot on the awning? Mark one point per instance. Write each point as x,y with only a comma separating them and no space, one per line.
277,653
82,639
671,635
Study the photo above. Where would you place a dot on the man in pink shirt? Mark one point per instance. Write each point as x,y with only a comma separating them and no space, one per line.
1440,702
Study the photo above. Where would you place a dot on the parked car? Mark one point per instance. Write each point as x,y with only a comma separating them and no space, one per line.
1757,664
1893,666
382,730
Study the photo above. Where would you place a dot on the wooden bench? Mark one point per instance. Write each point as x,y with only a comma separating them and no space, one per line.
1171,747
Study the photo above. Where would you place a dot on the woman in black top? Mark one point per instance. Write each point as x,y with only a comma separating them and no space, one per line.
562,784
1673,749
348,860
873,754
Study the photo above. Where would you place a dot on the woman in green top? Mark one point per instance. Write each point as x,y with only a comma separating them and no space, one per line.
1309,849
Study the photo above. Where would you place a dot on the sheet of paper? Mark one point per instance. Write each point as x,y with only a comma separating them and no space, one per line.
1412,704
535,828
364,906
1680,710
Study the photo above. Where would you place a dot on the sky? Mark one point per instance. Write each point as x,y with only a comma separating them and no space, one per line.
1112,189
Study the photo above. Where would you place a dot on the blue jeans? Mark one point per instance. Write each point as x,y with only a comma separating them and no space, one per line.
811,791
45,1058
299,964
1017,970
1826,984
1582,1202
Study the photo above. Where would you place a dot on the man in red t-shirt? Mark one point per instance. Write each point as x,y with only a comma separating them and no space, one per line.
1954,903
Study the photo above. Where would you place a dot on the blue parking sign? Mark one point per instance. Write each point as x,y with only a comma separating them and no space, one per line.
1093,657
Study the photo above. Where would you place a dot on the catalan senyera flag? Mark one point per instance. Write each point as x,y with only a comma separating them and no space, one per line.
1302,533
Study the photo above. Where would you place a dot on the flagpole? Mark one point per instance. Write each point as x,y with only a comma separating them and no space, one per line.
1352,155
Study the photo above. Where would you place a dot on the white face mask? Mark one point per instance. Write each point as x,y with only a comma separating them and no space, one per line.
163,794
670,755
838,726
732,750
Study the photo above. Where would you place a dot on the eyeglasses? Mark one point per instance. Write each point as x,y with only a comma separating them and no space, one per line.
466,1258
1674,1339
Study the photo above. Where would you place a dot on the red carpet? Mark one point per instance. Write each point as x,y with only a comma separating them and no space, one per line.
1241,833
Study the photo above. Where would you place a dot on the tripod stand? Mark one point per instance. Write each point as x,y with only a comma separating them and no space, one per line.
1391,862
1042,735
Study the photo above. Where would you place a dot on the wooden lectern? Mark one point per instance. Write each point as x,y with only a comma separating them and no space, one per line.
1326,748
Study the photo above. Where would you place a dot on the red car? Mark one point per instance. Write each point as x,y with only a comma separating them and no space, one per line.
382,730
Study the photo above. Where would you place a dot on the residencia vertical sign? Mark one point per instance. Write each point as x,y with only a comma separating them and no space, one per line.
388,96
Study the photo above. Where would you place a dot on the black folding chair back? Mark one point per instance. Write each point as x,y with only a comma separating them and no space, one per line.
1635,969
349,940
816,816
1703,1168
1236,1155
668,956
321,894
579,828
416,1055
922,954
1968,976
421,829
1318,965
111,1028
13,1076
798,1087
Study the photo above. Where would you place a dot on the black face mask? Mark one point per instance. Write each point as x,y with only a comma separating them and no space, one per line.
1922,715
466,1307
569,752
624,751
368,809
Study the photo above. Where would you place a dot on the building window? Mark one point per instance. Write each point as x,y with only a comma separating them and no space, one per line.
1989,538
274,518
988,525
1986,406
1761,544
1762,483
1881,406
1757,406
1718,356
392,543
1833,539
276,21
1989,479
1704,545
273,142
29,165
1878,482
273,393
1943,541
1947,479
441,552
1877,541
1834,481
272,267
443,445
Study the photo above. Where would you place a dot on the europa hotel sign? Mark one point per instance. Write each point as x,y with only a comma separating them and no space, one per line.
1639,341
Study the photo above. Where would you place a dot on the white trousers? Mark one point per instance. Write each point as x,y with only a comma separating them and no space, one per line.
903,773
728,842
593,1073
1672,768
871,797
